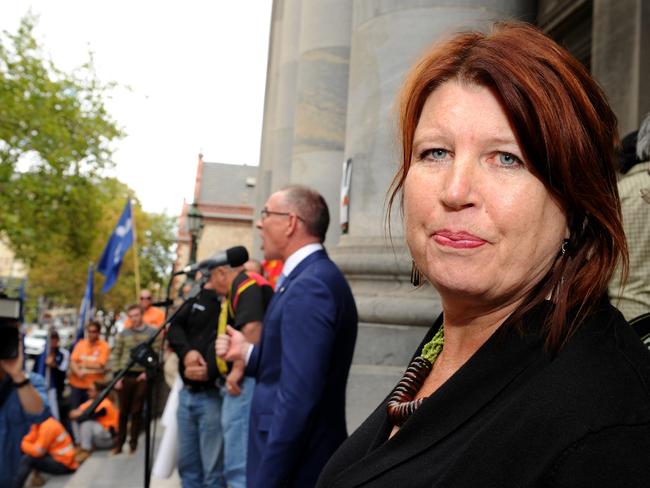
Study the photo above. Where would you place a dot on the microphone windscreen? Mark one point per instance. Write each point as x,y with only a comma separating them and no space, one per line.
237,256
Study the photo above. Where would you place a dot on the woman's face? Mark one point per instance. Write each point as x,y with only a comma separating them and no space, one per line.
478,223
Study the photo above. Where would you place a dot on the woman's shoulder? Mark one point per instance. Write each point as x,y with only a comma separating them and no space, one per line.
603,369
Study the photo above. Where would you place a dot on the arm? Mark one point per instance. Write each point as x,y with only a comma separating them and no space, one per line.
250,313
99,364
32,445
176,334
75,361
252,331
116,354
32,400
308,331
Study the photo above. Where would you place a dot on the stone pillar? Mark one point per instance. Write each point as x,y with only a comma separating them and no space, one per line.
281,135
264,172
322,92
620,58
387,38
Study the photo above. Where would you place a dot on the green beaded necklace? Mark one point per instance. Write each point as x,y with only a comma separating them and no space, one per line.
431,349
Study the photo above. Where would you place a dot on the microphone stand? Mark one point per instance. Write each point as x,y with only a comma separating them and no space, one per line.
144,355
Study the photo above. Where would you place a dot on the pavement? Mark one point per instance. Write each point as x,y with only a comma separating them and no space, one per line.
102,470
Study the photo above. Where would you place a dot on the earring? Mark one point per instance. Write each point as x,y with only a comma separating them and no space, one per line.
564,247
416,277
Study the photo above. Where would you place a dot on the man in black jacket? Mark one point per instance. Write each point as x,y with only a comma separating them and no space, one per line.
192,335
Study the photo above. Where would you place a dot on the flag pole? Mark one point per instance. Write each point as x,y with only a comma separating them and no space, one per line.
136,261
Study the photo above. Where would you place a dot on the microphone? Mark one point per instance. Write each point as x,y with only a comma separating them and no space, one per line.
234,256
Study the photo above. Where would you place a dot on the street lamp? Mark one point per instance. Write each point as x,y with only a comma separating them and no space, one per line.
194,225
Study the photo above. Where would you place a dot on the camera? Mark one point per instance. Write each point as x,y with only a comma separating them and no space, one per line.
10,314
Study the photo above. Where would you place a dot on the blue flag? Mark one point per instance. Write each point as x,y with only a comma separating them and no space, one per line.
86,308
119,242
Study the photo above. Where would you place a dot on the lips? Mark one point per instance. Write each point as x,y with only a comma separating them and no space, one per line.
458,239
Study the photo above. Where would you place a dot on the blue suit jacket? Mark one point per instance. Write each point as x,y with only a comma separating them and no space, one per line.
301,366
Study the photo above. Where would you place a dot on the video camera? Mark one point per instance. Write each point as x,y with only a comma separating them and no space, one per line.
10,314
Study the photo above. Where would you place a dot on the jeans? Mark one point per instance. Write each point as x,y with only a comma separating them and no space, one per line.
46,464
91,434
235,414
200,439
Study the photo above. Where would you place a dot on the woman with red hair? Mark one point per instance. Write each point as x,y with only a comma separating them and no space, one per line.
508,191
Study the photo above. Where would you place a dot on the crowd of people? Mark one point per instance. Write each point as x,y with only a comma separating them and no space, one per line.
44,424
530,376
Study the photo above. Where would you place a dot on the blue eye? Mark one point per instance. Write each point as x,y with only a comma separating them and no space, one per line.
507,159
436,154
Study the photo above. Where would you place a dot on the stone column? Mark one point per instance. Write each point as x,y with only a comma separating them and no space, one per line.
281,134
387,37
322,92
620,58
264,172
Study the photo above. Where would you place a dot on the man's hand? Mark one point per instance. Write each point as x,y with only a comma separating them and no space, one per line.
197,373
234,379
193,358
50,360
196,368
14,367
118,386
232,346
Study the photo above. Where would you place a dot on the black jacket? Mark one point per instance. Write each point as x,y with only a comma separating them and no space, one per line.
515,416
195,327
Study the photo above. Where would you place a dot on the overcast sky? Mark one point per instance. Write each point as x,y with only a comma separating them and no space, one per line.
195,72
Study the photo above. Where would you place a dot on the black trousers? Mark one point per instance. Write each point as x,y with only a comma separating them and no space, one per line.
47,464
131,398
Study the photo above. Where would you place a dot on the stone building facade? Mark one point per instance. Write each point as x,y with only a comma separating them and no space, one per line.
224,194
333,73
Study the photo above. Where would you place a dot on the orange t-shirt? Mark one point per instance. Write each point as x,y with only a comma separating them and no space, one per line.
49,437
112,417
86,354
152,316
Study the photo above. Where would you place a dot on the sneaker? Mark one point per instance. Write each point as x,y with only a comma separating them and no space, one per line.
37,479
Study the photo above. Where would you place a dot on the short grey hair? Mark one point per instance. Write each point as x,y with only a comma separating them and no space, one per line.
310,207
643,140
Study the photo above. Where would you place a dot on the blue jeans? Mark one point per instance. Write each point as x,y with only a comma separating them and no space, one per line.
200,439
235,414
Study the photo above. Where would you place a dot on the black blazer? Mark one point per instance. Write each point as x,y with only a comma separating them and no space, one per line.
515,416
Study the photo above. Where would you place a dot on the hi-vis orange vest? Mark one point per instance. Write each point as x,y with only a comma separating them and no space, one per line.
49,437
112,417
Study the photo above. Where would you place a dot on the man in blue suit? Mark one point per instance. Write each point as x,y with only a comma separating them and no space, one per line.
302,362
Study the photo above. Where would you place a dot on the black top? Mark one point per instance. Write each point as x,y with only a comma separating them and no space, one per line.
195,327
516,416
60,370
249,299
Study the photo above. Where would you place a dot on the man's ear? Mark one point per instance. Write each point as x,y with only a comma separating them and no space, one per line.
292,225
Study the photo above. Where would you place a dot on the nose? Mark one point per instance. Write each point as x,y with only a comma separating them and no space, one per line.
258,224
459,184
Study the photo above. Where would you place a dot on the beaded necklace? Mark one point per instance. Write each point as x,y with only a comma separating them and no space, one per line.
401,403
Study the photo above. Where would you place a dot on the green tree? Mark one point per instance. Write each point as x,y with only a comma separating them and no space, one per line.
61,276
56,124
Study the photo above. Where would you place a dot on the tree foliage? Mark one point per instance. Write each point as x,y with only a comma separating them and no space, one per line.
57,124
58,210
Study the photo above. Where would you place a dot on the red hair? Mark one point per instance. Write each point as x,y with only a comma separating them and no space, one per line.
568,134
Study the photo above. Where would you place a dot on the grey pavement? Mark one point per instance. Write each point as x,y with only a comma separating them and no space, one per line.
103,470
